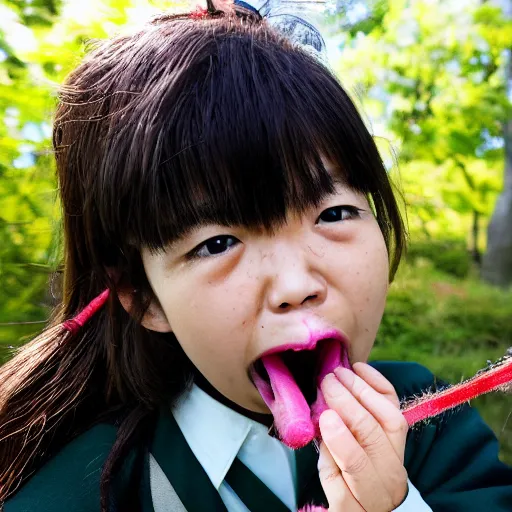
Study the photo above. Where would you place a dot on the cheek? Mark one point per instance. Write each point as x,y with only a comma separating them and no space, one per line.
208,321
369,292
214,329
376,270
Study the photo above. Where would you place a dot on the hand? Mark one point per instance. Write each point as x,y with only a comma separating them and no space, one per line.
361,463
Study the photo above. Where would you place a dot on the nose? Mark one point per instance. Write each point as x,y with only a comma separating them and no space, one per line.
295,282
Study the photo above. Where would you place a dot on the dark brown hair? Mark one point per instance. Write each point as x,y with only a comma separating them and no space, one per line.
190,120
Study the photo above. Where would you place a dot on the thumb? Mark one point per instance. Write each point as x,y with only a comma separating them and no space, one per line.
336,490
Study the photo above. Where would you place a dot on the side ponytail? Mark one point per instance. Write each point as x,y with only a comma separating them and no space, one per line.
78,373
48,378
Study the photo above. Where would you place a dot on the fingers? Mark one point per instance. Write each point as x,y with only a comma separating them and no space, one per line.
363,425
356,467
377,381
365,433
381,406
336,491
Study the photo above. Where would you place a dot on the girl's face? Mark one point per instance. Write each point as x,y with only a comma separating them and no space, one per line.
230,294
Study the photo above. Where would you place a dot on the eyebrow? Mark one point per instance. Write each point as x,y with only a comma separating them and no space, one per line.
341,181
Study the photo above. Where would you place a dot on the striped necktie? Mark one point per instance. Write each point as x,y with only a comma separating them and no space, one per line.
257,497
254,494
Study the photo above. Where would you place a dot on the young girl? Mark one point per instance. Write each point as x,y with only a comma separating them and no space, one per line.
231,232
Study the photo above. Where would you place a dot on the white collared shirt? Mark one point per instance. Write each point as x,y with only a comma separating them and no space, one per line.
217,434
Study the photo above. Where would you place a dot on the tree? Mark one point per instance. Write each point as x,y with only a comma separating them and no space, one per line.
27,188
430,75
497,265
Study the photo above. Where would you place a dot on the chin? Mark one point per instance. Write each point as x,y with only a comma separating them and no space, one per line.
256,404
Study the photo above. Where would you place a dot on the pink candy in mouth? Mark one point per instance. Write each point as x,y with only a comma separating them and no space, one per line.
295,420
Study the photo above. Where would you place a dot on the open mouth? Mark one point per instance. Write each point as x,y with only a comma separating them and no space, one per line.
289,383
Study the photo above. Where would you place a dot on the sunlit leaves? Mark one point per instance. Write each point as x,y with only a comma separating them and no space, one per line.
433,73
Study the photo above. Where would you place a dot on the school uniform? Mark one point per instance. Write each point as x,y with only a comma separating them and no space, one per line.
204,456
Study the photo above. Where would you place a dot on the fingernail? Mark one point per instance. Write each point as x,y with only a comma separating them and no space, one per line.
345,376
329,380
331,385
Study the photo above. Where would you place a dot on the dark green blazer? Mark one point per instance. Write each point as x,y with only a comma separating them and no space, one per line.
452,461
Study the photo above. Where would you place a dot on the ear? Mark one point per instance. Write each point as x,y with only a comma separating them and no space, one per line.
154,319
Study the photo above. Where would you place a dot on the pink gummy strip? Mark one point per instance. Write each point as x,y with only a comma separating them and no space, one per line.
290,409
330,359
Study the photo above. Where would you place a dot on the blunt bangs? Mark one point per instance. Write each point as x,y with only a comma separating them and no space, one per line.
220,121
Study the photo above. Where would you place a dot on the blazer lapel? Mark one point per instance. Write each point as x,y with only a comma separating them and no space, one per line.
177,461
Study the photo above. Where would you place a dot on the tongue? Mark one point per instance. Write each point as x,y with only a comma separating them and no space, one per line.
292,416
295,421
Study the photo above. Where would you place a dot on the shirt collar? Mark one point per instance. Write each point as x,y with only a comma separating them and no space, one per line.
214,432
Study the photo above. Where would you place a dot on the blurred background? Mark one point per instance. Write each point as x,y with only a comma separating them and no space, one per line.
433,79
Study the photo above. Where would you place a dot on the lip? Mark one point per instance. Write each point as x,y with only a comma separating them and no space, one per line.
309,344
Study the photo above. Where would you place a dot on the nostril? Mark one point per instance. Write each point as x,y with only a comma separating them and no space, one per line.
285,305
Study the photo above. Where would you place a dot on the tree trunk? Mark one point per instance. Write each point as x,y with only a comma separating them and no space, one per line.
497,262
477,257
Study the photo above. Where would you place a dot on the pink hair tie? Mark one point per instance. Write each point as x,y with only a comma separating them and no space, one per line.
199,13
73,325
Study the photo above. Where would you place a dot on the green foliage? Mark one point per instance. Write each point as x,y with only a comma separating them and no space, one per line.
27,187
36,12
438,314
347,18
447,255
430,74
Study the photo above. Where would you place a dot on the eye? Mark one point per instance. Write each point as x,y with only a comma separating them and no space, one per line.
214,246
338,213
